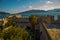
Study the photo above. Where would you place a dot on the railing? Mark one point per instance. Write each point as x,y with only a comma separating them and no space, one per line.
44,26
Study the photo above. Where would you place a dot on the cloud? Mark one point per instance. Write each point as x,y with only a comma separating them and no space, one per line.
48,5
49,2
30,7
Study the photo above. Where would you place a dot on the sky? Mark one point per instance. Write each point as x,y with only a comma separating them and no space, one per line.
16,6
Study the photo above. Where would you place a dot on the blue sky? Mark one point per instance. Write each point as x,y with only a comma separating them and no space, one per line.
15,6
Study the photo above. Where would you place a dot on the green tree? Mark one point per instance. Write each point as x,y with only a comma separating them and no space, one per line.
10,22
33,20
16,33
1,25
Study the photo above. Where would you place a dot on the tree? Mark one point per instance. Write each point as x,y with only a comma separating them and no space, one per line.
33,20
16,33
10,22
1,25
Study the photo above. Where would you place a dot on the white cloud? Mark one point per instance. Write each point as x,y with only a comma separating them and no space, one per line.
35,8
30,7
47,6
49,2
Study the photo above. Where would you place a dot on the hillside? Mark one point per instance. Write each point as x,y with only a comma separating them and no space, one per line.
53,12
3,14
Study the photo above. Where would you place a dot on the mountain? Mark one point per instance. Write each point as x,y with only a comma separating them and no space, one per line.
41,12
3,14
33,11
53,12
29,12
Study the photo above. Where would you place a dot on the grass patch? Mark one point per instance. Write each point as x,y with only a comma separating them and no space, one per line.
54,33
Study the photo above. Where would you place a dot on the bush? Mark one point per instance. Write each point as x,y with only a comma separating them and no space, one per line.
16,34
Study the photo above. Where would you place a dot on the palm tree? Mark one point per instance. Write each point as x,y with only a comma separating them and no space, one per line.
33,20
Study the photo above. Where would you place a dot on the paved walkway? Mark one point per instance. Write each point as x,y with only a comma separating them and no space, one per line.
44,33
